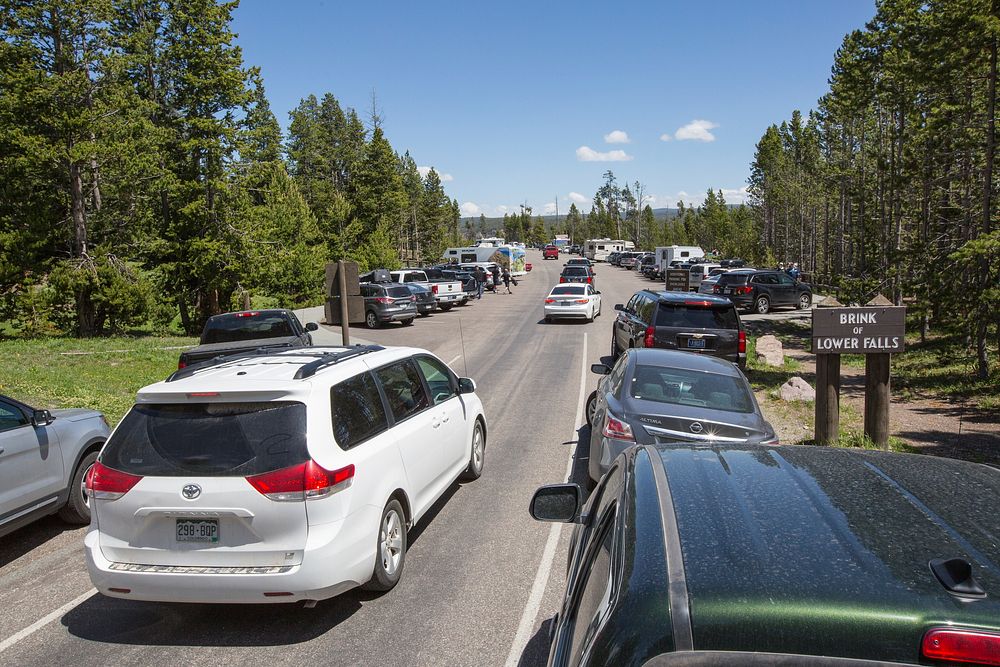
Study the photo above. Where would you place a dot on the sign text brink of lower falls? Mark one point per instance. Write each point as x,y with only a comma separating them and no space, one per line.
864,330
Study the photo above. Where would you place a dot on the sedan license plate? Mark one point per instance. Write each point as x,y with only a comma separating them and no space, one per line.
696,343
197,530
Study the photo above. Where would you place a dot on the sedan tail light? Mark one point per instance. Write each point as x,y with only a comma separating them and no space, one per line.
561,279
741,346
965,646
582,300
650,339
616,428
304,481
550,301
106,483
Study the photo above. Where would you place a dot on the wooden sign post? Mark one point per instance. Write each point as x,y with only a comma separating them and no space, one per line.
344,303
876,330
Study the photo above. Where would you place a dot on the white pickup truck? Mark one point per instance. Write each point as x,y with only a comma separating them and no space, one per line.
447,293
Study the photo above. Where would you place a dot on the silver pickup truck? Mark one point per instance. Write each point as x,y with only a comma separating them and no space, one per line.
448,293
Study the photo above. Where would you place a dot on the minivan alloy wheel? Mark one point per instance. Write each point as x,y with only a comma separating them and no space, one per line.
391,542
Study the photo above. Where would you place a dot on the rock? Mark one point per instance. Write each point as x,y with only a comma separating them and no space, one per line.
769,351
797,389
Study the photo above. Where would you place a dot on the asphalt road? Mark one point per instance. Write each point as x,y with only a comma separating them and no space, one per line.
482,579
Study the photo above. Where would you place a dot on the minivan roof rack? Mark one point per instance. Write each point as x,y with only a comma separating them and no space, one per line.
319,359
328,359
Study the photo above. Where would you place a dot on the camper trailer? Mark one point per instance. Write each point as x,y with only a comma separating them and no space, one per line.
505,255
667,255
597,250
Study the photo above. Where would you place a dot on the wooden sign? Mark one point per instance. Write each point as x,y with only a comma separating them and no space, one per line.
676,280
864,330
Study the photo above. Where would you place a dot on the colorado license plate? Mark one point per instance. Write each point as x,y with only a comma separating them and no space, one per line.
696,343
197,530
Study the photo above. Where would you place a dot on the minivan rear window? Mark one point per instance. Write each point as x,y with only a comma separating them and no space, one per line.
722,316
208,439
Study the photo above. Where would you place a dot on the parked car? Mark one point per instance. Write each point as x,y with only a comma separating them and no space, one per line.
581,261
698,272
423,298
487,267
655,396
388,302
707,285
448,293
735,263
44,459
760,291
233,333
731,555
279,477
646,265
613,258
576,274
647,257
574,301
628,259
550,252
680,321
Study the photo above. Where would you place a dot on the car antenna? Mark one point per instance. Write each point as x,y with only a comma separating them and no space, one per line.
465,360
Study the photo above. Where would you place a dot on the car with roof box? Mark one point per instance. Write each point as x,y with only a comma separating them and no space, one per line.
279,476
684,321
718,554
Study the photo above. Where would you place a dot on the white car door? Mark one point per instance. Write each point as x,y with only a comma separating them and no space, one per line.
448,410
595,300
31,467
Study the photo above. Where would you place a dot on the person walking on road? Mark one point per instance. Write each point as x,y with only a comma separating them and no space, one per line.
480,276
506,280
496,279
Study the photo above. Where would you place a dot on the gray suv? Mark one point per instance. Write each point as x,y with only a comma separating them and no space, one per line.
388,302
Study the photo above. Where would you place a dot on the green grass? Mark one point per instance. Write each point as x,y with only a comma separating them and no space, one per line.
99,373
851,439
944,367
764,377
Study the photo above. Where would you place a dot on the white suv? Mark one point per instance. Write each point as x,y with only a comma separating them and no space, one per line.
279,476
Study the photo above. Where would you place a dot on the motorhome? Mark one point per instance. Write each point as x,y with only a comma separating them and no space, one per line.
597,250
509,256
666,255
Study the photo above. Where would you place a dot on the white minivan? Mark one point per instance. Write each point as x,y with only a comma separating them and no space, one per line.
279,476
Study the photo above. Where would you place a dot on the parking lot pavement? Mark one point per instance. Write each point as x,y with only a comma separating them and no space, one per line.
480,585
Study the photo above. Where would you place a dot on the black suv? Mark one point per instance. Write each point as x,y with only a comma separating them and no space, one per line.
576,273
680,321
760,291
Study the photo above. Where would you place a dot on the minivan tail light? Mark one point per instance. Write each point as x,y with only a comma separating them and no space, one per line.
304,481
650,337
616,428
953,645
742,345
104,483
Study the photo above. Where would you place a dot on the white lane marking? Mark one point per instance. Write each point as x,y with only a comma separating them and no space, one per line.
457,357
527,623
44,620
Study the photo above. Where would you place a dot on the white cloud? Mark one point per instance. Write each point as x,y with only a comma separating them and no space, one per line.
588,154
577,198
696,130
470,208
735,195
447,177
423,171
550,208
502,209
665,136
616,137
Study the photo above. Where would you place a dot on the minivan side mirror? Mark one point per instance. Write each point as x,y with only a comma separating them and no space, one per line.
312,326
41,418
559,503
466,385
599,369
619,306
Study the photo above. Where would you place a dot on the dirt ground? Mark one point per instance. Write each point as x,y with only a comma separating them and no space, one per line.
931,425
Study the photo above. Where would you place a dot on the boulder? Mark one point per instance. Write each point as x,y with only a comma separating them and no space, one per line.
797,389
770,351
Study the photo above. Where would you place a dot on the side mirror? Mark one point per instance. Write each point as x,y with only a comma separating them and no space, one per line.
312,326
466,385
599,369
556,502
41,418
597,291
619,306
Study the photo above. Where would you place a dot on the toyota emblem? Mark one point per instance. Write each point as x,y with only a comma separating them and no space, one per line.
696,427
191,491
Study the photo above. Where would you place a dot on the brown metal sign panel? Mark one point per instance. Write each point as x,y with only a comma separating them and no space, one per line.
676,280
353,286
355,309
864,330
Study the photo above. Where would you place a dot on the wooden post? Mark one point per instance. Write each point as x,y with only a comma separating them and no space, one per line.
345,327
877,398
827,398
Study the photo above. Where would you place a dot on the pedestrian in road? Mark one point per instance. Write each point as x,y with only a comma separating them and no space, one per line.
480,275
495,270
506,279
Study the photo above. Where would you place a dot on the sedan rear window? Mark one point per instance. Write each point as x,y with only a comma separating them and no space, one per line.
568,289
231,328
722,316
216,439
678,386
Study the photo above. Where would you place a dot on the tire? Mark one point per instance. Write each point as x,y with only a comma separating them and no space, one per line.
77,508
427,314
548,319
445,307
804,302
614,348
762,305
408,322
591,408
477,457
390,548
371,320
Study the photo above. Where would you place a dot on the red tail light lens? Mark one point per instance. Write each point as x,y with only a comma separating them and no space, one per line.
434,288
616,428
180,365
383,299
746,289
106,483
583,300
550,301
561,279
981,648
716,289
300,482
742,345
650,337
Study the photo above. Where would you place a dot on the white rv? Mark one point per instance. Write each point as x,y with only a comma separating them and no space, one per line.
666,255
597,250
505,255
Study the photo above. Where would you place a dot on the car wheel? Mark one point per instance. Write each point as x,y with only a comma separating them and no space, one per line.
591,408
77,508
445,307
390,551
408,322
477,457
371,320
548,319
762,305
592,316
805,301
614,348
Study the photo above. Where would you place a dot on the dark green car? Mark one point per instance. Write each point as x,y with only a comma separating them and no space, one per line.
739,555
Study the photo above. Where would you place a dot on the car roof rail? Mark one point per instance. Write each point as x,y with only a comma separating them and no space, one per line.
188,371
328,359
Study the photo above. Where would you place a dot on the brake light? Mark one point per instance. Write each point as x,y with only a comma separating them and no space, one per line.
253,314
304,481
746,289
434,288
383,299
698,303
181,364
106,483
616,428
981,648
583,301
561,279
589,279
741,346
650,338
716,289
550,301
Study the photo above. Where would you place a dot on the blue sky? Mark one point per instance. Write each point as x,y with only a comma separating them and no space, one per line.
520,102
